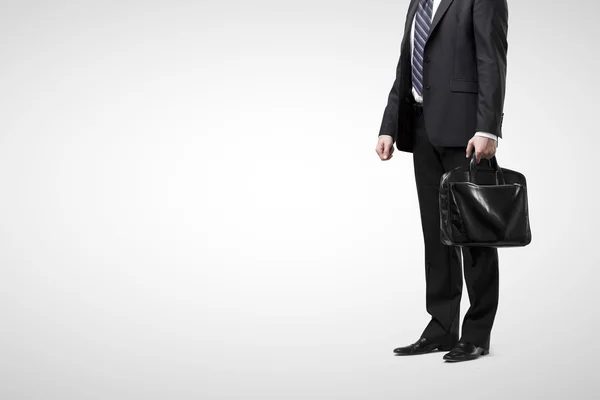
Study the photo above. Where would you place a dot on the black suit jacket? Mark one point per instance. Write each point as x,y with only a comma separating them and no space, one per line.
464,75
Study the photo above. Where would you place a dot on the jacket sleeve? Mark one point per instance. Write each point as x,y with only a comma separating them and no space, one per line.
389,123
490,27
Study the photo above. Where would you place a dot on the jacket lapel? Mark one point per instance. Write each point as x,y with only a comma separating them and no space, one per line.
442,8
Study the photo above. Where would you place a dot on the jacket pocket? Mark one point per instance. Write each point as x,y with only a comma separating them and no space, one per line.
457,85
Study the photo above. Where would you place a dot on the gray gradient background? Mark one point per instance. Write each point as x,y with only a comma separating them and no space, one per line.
192,207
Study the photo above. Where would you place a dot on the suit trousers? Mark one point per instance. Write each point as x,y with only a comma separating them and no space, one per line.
443,264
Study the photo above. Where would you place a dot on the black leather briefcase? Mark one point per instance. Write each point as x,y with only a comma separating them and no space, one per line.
484,206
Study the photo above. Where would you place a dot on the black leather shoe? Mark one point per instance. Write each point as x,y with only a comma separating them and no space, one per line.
421,346
465,352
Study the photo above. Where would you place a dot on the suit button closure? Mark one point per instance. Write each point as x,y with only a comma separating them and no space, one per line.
427,87
427,59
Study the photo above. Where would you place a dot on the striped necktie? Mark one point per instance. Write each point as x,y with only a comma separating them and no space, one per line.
422,25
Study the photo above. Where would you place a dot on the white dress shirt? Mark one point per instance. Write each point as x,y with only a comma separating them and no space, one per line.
418,98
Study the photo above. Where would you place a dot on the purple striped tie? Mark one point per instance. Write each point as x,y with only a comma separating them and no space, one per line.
422,25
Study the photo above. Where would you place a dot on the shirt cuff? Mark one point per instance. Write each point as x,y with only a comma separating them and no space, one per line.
487,135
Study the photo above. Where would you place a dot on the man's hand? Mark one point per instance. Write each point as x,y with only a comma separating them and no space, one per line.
385,147
483,147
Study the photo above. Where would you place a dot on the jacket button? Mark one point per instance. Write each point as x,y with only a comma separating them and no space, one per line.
427,87
426,59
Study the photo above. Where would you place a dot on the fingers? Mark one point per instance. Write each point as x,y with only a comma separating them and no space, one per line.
488,150
379,149
386,153
470,147
384,150
481,147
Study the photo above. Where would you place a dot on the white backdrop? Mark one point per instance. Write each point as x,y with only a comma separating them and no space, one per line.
191,205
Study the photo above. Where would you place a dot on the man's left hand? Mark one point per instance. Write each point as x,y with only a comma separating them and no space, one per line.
483,147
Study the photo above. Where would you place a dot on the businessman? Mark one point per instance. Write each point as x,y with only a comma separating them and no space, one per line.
446,103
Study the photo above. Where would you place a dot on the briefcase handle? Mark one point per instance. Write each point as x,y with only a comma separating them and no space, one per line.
493,162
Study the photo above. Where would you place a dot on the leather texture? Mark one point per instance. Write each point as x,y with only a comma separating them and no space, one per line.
465,352
421,346
464,75
484,206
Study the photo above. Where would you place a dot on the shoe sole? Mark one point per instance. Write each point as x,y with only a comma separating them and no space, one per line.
485,352
436,350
